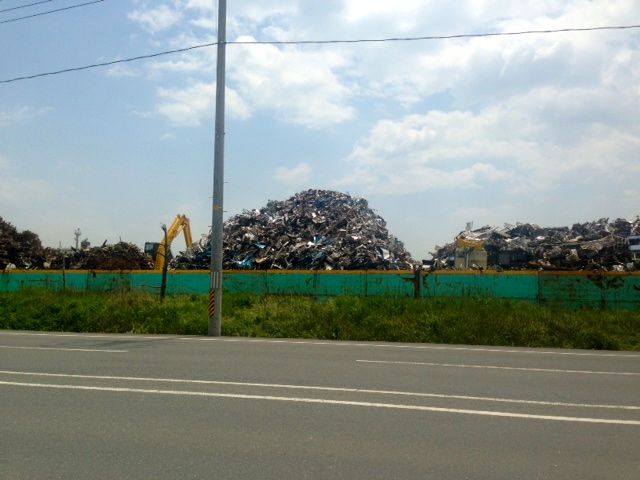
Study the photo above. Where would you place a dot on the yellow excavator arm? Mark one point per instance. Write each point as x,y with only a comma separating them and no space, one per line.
180,224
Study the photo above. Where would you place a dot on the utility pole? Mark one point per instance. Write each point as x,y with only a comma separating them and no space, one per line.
215,293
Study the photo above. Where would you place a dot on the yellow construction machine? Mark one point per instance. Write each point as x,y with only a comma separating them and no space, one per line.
469,243
470,253
158,250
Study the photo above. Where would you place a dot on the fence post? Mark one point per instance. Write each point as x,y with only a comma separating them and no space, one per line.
417,283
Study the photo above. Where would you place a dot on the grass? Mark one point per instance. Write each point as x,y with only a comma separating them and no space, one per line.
462,320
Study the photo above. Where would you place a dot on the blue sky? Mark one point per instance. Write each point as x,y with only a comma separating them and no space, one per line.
539,128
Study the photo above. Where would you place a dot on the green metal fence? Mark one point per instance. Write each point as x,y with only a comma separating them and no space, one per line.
571,289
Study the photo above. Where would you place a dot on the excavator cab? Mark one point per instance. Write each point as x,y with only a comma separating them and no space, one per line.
151,249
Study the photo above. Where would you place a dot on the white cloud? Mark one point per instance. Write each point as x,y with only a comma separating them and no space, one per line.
206,23
522,144
200,61
358,10
301,87
258,12
189,106
119,71
21,114
156,19
248,10
204,5
519,113
186,107
186,64
297,86
530,111
479,71
294,176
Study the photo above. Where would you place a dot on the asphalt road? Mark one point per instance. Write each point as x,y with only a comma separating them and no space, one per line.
121,406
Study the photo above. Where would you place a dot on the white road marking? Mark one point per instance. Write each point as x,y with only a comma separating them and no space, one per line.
86,335
497,367
335,343
101,350
331,402
319,388
338,343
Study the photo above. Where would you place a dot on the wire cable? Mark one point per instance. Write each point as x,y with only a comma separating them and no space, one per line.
433,37
78,5
112,62
315,42
25,6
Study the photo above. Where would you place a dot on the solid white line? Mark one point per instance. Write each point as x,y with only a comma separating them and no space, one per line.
337,343
86,335
331,402
65,349
319,388
496,367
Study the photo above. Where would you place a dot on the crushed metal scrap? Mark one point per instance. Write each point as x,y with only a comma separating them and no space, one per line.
23,250
598,245
120,256
312,230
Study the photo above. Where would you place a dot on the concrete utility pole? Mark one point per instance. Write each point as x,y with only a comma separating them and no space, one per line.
215,293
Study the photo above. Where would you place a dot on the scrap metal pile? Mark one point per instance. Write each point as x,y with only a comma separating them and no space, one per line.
599,245
313,230
121,256
19,249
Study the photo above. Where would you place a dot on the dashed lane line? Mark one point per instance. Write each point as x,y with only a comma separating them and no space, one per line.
337,343
101,350
497,367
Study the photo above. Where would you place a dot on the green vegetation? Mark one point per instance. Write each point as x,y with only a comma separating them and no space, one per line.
461,320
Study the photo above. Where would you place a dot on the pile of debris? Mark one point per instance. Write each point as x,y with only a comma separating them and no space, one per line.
121,256
21,250
313,230
599,245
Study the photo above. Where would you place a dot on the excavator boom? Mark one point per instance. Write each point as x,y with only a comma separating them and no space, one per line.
158,251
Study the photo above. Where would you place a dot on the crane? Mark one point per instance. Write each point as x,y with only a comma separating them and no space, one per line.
158,250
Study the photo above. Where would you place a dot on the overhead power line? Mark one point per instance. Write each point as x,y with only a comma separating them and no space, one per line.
25,6
318,42
433,37
48,12
112,62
